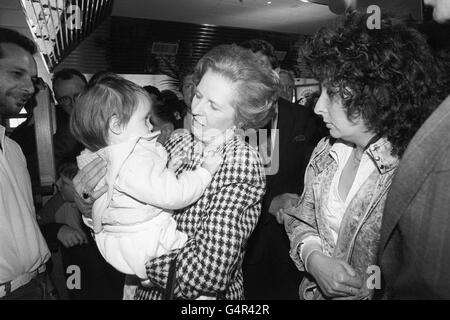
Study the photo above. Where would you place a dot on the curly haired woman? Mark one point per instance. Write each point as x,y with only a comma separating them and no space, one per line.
378,87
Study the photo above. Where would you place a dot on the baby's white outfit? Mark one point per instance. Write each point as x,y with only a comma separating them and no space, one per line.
133,220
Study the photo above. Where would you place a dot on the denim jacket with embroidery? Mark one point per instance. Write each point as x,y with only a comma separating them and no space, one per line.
359,233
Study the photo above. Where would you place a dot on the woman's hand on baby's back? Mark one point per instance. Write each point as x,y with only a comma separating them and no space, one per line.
85,182
175,163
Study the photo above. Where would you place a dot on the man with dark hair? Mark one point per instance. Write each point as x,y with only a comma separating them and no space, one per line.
415,233
264,51
269,273
24,252
13,37
67,86
68,73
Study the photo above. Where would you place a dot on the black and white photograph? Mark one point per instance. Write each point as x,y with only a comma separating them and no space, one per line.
231,155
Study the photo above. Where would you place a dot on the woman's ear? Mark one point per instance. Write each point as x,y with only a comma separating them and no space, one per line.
115,126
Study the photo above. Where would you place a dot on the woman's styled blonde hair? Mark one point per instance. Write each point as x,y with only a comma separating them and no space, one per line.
256,86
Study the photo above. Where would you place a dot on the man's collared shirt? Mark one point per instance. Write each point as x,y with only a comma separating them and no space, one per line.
22,246
267,147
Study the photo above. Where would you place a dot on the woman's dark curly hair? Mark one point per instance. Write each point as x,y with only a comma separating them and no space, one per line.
388,76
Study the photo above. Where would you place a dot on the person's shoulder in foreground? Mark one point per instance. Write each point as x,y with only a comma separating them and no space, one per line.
415,238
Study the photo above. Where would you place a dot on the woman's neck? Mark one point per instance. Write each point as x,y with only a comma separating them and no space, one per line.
218,140
360,143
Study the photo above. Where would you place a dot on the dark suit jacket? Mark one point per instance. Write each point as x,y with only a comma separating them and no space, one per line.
66,147
415,234
298,135
268,247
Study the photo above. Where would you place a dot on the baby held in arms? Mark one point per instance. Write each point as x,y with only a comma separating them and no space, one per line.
132,221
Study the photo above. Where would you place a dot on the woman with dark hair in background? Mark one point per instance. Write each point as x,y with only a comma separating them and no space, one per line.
175,107
166,114
378,87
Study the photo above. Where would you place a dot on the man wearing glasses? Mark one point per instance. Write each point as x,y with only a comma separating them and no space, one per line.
67,86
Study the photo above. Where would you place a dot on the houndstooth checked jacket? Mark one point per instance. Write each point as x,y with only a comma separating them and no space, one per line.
218,225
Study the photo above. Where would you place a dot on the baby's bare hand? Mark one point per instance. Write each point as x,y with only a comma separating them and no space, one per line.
212,162
175,163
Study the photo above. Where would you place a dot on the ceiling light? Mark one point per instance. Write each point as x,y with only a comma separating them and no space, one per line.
269,2
323,2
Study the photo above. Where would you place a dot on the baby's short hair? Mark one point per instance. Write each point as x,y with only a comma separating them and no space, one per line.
110,95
